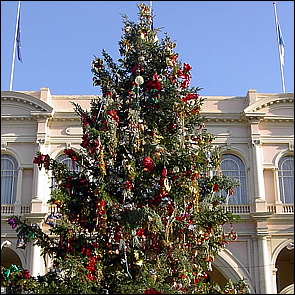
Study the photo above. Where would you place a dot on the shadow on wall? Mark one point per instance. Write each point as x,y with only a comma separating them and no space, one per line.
8,257
285,271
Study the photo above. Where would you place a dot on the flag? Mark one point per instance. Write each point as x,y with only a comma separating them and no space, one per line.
281,45
18,41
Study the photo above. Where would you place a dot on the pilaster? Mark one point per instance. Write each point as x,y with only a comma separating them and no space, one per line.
264,253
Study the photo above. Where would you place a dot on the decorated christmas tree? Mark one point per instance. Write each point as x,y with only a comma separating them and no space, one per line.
142,211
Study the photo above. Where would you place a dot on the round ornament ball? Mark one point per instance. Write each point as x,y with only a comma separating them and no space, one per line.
139,80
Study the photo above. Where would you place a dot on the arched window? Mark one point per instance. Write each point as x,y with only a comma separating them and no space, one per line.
234,167
73,166
69,162
286,179
9,173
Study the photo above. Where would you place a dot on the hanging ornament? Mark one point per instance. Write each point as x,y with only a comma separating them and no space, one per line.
175,169
21,242
127,29
102,165
232,235
143,35
157,155
148,163
97,65
52,217
167,185
139,80
209,268
12,223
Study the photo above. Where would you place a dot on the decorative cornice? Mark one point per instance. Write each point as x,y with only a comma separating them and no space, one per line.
65,119
277,119
65,116
8,97
272,102
214,119
5,99
41,115
16,118
269,100
253,117
245,117
261,216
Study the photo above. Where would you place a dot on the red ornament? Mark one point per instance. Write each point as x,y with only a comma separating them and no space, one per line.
187,67
204,276
140,232
148,163
172,126
215,187
26,274
42,160
164,172
128,185
152,291
72,154
190,96
153,84
113,115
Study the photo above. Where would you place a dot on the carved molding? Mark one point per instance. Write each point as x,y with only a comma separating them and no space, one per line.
3,146
74,131
256,142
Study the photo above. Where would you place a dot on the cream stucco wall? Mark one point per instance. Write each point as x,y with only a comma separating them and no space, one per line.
258,128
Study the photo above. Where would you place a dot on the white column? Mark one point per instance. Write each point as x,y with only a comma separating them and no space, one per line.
278,202
18,201
36,261
257,166
265,269
255,276
276,185
40,183
274,280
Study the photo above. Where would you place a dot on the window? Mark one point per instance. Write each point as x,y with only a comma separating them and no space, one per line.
233,166
9,173
73,166
286,179
64,159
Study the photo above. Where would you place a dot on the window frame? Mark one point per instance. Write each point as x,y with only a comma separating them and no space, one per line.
9,194
286,182
64,159
240,195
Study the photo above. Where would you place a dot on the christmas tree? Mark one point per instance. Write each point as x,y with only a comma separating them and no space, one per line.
141,213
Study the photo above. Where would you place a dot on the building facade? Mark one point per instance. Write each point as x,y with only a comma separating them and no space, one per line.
256,136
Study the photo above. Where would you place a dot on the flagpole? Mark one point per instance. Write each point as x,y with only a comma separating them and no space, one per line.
151,8
14,46
280,55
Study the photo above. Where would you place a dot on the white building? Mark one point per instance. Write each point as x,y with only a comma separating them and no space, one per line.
256,134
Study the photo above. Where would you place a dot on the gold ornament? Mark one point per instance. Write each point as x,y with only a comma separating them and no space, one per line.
102,164
196,201
157,155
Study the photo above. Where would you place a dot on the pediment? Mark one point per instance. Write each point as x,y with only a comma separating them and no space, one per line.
20,104
272,107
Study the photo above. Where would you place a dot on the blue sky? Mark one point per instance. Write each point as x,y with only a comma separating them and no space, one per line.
231,45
